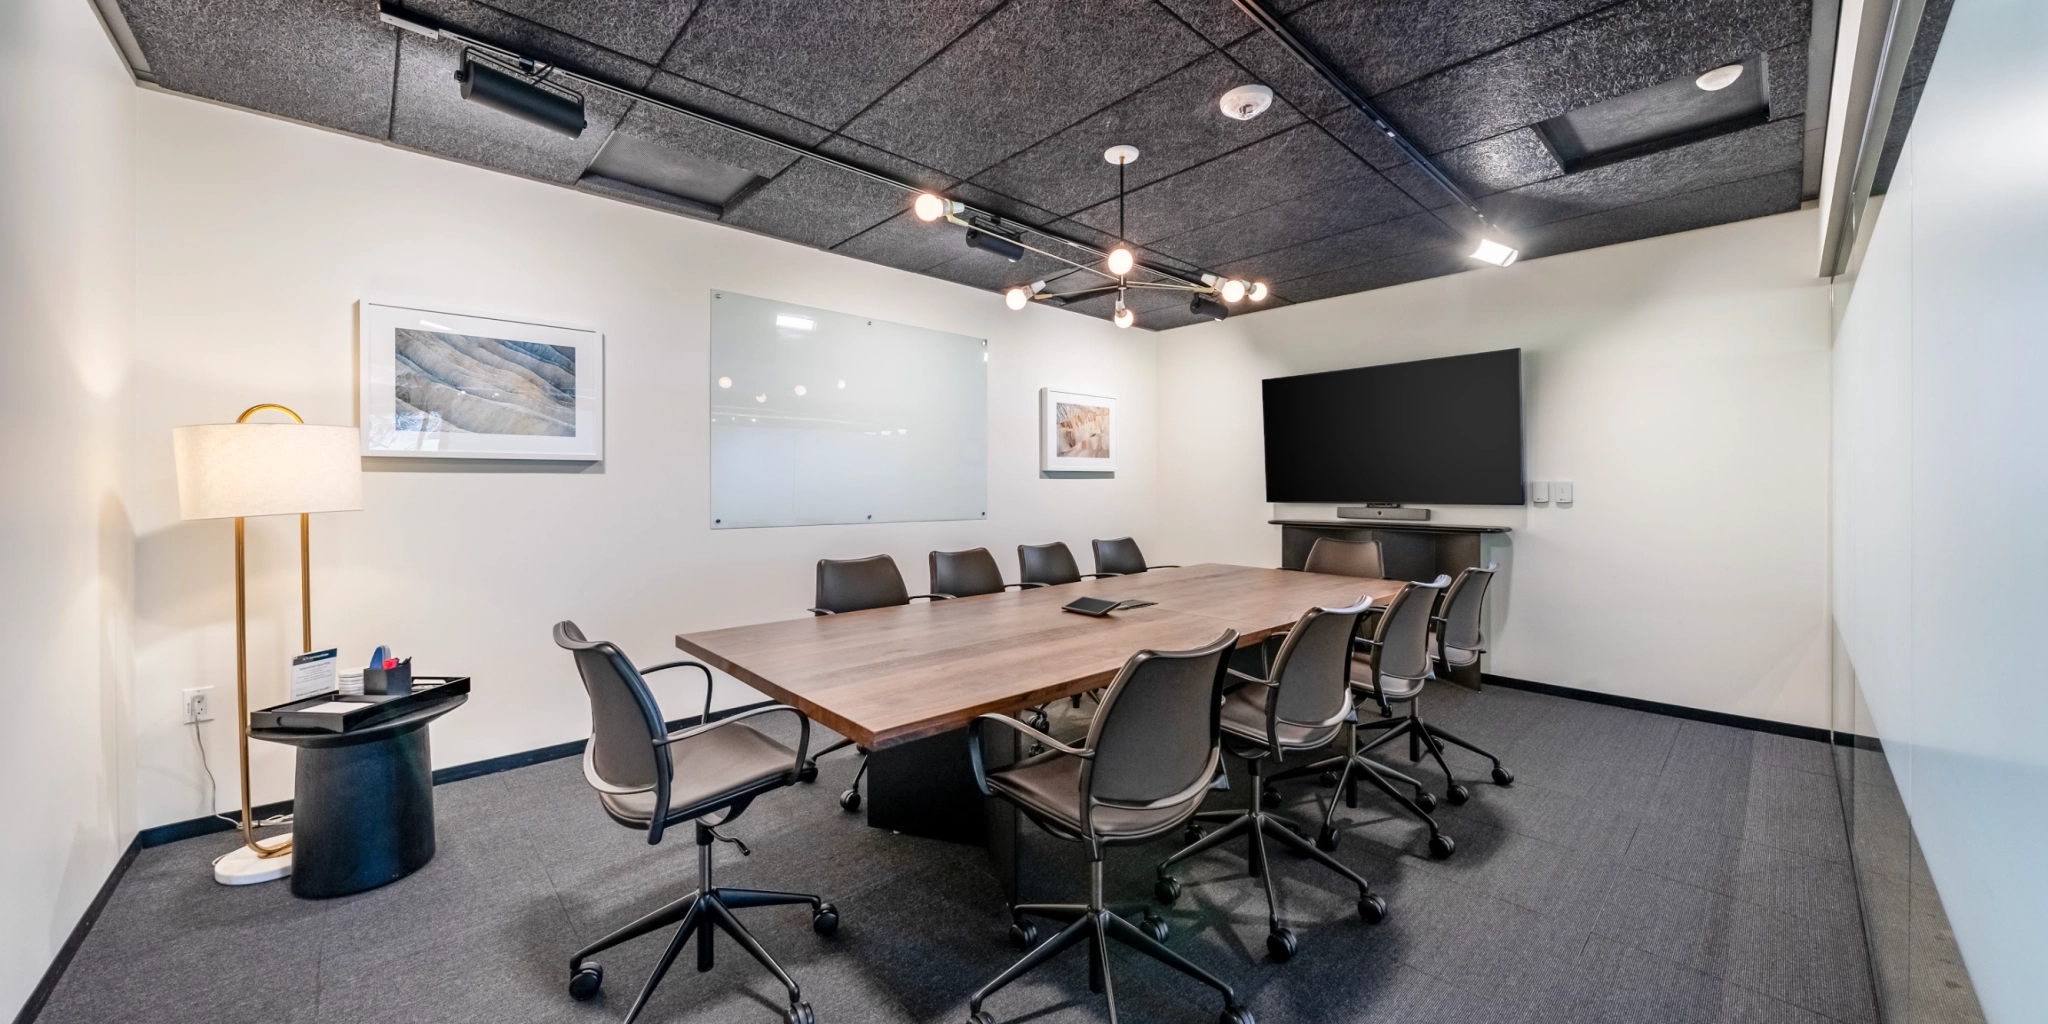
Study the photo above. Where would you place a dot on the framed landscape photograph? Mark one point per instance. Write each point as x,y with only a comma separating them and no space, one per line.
440,384
1077,432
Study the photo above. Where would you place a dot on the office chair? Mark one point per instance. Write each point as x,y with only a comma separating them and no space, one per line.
1455,643
1345,558
969,574
1396,663
1301,704
856,585
651,779
1142,772
1049,565
1121,557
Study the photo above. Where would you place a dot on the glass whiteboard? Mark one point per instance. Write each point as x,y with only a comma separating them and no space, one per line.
820,417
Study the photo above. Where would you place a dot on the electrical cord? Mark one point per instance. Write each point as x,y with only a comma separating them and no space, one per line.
213,787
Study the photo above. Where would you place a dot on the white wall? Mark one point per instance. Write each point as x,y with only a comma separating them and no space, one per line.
66,275
256,237
1941,490
1680,382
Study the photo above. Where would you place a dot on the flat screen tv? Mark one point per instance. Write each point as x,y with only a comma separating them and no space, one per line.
1435,431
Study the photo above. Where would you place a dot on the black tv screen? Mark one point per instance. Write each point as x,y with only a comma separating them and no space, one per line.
1435,431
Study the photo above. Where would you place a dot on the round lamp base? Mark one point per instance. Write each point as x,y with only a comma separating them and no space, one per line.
244,867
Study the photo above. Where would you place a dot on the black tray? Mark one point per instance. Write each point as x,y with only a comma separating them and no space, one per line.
374,707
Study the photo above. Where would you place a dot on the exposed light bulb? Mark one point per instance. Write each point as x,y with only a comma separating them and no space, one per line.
1232,290
1123,317
928,207
1017,298
1259,292
1493,252
1121,261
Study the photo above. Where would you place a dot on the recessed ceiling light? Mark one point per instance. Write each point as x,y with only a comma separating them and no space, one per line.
1720,78
1493,252
1246,102
795,323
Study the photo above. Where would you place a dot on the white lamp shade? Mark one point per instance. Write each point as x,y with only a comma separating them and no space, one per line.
267,469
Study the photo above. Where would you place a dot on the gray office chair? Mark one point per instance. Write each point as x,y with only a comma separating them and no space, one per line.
1345,558
1121,557
651,779
1049,565
969,574
1142,772
1395,664
1455,643
1301,704
856,585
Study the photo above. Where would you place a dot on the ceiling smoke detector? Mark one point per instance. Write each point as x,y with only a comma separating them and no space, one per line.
1246,102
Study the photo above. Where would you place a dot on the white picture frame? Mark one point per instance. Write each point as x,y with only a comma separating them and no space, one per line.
1076,432
443,384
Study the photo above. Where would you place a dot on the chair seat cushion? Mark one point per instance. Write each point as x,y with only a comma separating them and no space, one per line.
729,759
1048,786
1391,687
1244,716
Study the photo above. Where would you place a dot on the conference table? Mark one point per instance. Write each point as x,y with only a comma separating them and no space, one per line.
904,682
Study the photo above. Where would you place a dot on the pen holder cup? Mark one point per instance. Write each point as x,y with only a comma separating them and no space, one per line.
389,681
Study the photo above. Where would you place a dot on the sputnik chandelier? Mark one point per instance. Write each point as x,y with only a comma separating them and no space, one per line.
1212,298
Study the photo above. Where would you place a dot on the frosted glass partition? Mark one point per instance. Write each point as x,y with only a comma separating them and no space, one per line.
820,417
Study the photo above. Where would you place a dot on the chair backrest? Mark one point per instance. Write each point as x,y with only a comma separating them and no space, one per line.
1157,732
1345,558
856,584
624,720
1312,669
965,573
1120,556
1051,564
1459,627
1402,641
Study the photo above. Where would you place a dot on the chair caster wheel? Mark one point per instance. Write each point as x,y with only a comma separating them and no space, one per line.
1166,890
1326,779
1503,777
1271,795
1192,834
1441,846
825,919
1372,908
1154,927
1235,1015
983,1016
1426,801
584,983
849,801
1457,794
1326,838
1023,935
799,1013
807,774
1281,944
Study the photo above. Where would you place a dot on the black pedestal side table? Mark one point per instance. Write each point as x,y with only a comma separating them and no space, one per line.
363,811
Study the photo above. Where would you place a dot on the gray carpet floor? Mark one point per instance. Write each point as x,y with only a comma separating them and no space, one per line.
1641,869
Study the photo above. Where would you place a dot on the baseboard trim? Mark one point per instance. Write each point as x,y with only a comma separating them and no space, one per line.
212,823
40,995
1804,732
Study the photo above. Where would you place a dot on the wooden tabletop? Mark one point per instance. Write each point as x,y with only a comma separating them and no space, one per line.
891,675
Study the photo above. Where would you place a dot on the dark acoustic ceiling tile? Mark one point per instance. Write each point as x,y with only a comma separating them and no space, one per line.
535,40
641,29
1274,64
1364,245
1419,186
1350,126
1761,196
1219,21
1174,122
1517,158
627,192
676,131
1416,266
689,133
906,243
816,204
1331,211
983,270
1624,48
1736,157
991,201
326,62
1275,169
822,62
431,115
1933,22
1028,71
1378,46
1903,110
862,155
1787,68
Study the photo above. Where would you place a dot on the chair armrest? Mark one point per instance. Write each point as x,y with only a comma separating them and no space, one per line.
1023,586
1162,567
974,745
932,597
819,611
1099,575
1248,677
709,681
1364,642
803,741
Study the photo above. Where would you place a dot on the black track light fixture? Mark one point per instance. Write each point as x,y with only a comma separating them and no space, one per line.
1208,308
550,107
1007,248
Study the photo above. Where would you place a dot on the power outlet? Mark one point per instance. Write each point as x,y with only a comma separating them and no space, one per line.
199,704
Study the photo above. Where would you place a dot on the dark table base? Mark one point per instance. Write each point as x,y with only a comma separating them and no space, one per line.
363,815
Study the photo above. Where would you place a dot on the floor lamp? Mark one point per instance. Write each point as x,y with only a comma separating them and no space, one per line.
241,469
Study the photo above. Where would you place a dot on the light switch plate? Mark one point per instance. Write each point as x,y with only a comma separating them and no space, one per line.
1562,492
1539,491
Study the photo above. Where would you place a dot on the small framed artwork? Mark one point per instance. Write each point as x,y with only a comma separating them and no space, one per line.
1077,432
441,384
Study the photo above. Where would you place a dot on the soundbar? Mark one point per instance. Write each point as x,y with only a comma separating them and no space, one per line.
1376,512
